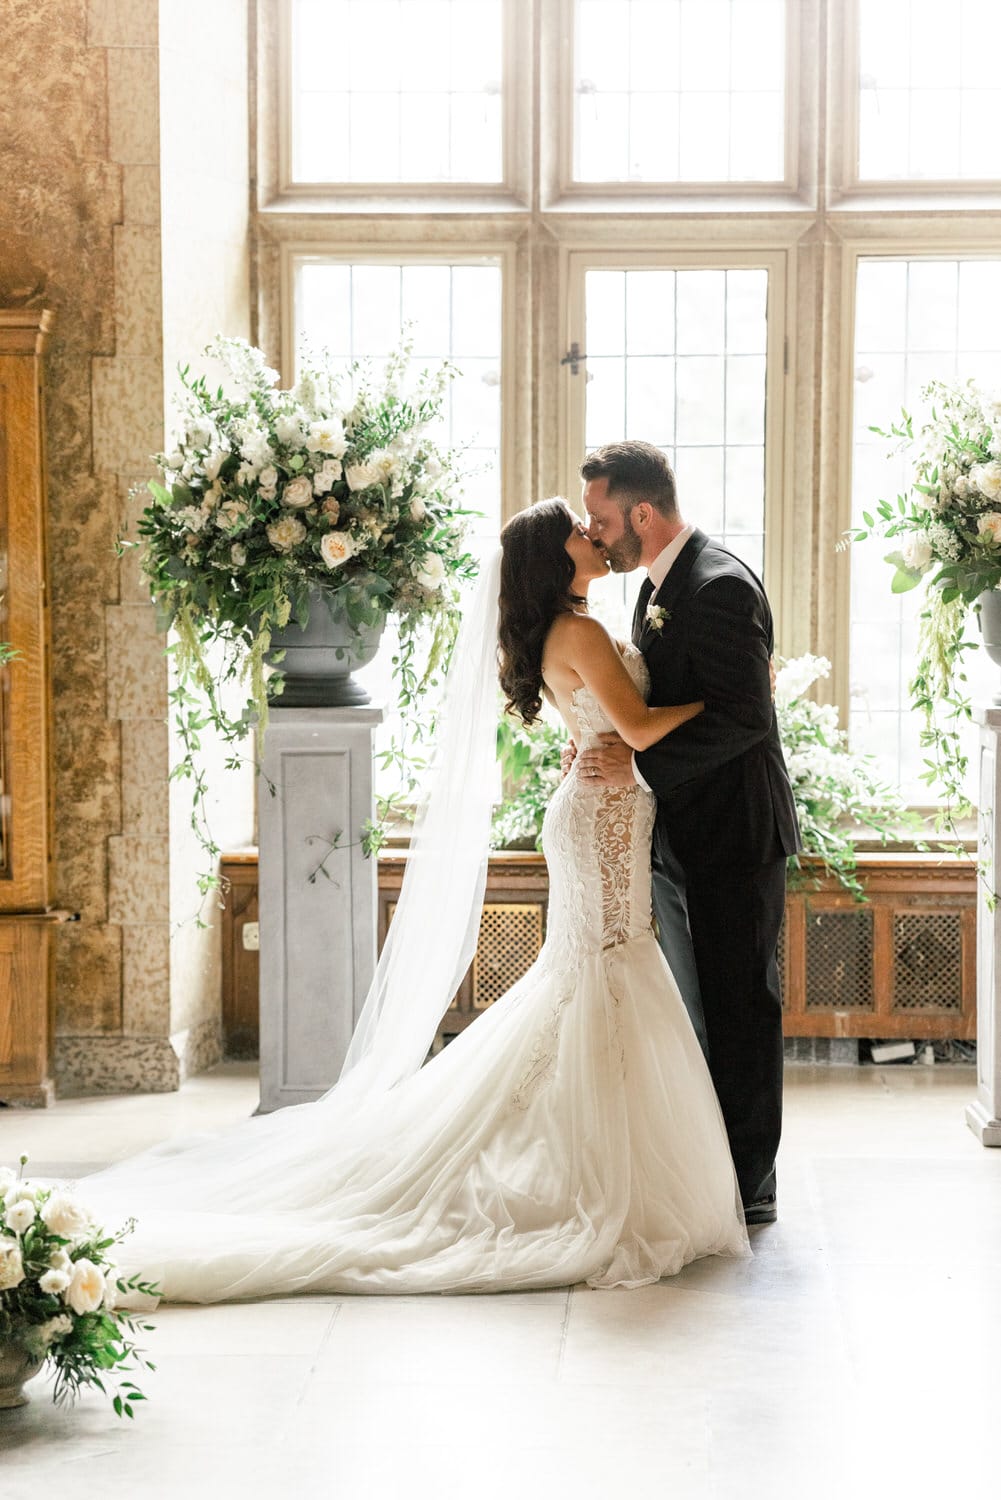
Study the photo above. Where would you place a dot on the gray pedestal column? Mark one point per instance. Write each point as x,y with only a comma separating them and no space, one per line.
984,1115
318,935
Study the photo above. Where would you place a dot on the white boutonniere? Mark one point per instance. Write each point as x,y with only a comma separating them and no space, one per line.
656,616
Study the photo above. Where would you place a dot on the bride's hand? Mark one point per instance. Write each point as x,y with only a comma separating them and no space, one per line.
567,757
608,763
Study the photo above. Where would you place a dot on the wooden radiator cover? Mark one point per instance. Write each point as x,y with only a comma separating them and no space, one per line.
903,965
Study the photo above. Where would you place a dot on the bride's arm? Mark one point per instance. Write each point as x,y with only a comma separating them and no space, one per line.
588,649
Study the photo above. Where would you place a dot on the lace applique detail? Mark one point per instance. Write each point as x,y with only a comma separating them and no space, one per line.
597,847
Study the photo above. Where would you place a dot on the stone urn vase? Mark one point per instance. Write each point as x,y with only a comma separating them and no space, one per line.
17,1367
990,628
320,657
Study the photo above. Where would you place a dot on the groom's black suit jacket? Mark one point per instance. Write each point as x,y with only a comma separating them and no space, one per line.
723,793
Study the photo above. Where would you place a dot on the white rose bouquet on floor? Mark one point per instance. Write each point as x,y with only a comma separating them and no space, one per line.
949,531
270,493
59,1288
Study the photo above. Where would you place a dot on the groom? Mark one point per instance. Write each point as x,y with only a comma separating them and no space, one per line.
725,815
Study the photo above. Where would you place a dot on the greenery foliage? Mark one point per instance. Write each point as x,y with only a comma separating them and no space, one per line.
269,494
949,531
837,792
59,1289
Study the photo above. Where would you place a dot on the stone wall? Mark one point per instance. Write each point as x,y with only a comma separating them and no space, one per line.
82,178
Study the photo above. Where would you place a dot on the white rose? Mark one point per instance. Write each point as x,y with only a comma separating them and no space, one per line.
286,533
85,1292
11,1265
65,1216
326,476
362,476
59,1260
237,555
989,528
214,463
23,1190
431,574
418,510
193,517
916,552
174,460
987,478
298,493
20,1216
268,477
54,1281
256,449
327,437
288,430
335,548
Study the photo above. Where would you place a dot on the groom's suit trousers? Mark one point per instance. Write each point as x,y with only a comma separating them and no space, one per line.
735,918
674,935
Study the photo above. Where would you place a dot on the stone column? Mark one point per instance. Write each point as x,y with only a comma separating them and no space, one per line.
318,895
983,1115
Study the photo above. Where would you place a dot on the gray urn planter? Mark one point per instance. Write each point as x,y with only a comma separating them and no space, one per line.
319,658
990,628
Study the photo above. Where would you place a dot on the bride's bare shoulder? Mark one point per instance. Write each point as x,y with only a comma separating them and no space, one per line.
572,632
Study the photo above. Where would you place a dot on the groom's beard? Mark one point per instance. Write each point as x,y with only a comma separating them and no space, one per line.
624,555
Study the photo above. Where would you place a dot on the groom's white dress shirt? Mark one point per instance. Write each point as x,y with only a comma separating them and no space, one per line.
657,572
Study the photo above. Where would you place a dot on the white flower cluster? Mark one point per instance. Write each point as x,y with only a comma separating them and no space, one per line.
330,487
67,1226
828,779
953,519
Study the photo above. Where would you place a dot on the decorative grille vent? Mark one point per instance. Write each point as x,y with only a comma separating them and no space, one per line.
927,952
839,960
509,943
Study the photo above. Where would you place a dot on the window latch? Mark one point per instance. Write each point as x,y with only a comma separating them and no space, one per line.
574,357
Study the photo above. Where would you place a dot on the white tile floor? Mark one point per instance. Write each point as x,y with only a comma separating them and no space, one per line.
858,1354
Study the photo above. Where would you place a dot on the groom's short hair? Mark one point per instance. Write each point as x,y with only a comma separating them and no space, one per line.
636,472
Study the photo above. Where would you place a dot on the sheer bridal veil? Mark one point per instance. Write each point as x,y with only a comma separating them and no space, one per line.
430,945
432,939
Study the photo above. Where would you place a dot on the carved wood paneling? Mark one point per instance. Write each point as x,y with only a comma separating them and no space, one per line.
903,965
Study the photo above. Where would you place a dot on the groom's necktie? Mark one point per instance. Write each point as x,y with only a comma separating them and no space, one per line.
639,614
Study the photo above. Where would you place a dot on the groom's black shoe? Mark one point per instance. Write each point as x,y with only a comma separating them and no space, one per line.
761,1211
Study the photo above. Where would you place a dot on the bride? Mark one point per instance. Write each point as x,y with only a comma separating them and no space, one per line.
572,1133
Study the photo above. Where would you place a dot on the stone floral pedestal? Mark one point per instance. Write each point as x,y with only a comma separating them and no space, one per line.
318,902
983,1115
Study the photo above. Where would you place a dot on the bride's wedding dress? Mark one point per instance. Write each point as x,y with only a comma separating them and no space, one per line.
571,1134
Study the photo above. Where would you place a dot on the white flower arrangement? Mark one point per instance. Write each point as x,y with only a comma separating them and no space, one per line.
949,526
59,1290
269,494
656,616
835,790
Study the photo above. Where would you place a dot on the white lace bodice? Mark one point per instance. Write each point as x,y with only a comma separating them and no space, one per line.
597,845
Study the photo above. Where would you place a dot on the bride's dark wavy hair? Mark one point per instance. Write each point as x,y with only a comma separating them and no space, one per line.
537,575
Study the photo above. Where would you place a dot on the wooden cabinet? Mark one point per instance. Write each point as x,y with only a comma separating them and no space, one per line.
26,915
901,965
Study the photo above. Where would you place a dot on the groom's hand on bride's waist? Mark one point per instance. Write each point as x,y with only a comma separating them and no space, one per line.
608,763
